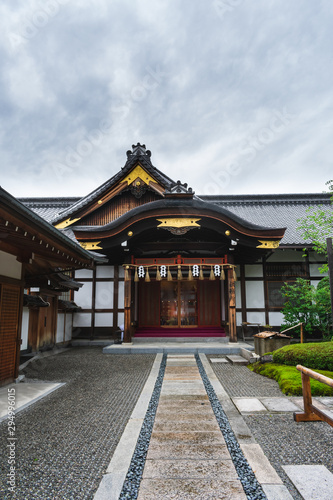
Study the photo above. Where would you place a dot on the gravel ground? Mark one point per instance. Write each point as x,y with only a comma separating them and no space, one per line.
286,442
283,441
65,441
240,382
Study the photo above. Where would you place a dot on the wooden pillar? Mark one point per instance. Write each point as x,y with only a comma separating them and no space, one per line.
232,306
127,305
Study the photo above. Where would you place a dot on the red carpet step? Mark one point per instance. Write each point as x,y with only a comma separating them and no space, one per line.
180,332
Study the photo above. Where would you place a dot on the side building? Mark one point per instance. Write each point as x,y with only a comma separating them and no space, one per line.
36,261
179,264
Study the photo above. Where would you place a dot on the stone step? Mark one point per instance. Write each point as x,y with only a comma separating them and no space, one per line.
235,359
174,347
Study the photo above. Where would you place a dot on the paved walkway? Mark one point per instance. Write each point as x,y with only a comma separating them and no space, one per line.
187,456
88,420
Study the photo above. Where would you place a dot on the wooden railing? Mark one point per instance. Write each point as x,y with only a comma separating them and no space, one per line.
311,413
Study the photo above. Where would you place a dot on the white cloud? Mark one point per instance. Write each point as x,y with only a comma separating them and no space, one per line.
197,85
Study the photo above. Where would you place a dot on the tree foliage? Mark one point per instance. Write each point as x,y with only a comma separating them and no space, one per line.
304,303
317,226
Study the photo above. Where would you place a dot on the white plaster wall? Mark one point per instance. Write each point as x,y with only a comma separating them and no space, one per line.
286,256
314,271
121,294
238,294
238,318
25,328
275,318
9,266
83,297
60,327
254,271
82,319
83,273
256,317
104,319
104,295
121,272
105,272
255,298
68,327
121,319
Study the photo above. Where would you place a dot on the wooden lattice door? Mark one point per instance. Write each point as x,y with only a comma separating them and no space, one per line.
9,321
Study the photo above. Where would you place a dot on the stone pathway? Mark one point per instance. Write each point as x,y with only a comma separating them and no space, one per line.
187,457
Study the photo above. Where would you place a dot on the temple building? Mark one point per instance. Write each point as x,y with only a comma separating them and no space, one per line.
175,263
146,255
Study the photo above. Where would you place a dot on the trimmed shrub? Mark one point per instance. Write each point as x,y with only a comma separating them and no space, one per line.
317,356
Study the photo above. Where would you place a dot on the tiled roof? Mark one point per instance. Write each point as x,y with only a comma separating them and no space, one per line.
24,211
48,208
279,210
276,210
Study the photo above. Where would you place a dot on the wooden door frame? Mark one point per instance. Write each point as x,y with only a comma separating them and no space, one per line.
179,325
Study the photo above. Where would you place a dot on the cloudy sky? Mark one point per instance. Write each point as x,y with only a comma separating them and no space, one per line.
231,96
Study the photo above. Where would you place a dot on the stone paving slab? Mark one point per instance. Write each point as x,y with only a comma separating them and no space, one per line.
260,463
181,425
188,451
187,384
181,369
314,482
189,412
175,401
279,404
181,362
193,489
195,437
326,401
186,469
25,395
276,492
249,405
183,377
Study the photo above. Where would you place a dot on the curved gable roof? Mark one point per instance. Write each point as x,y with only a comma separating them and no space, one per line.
138,157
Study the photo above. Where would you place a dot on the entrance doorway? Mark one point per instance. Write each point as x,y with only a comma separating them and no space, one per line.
179,305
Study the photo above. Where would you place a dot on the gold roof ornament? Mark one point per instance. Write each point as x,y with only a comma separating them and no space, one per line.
269,243
138,172
91,245
66,223
178,222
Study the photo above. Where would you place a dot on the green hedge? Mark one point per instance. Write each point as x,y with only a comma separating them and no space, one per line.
318,356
